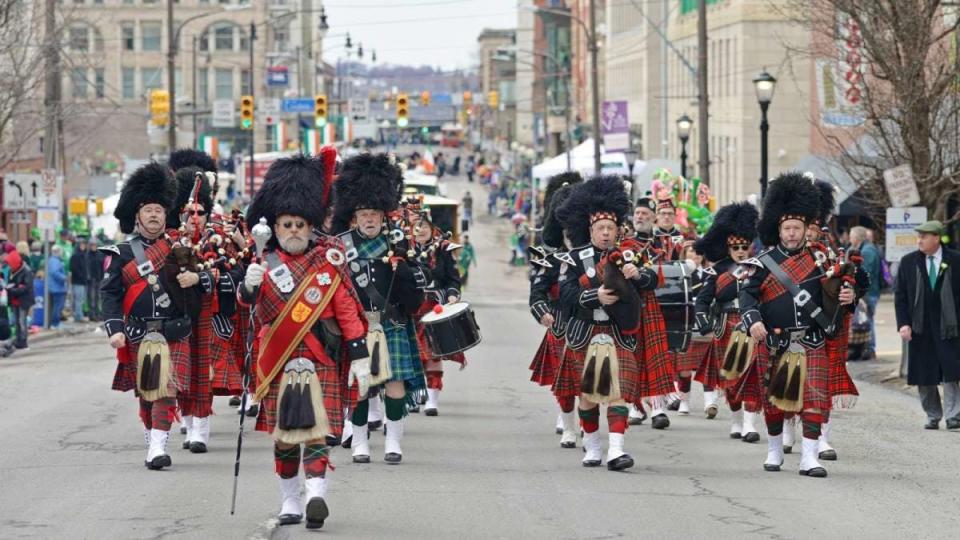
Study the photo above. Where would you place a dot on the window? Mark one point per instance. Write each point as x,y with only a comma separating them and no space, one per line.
223,38
205,41
178,81
245,88
79,38
224,83
78,82
99,83
150,35
151,79
281,38
203,86
126,36
127,83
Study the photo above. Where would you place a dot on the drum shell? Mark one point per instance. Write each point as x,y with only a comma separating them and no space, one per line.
676,303
454,334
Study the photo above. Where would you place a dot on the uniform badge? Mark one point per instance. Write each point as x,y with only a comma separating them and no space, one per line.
591,272
324,279
301,312
282,278
586,253
313,295
354,267
363,280
163,300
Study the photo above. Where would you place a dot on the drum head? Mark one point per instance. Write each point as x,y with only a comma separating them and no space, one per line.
448,311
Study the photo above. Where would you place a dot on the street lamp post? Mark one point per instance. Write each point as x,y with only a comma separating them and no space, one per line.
765,85
684,123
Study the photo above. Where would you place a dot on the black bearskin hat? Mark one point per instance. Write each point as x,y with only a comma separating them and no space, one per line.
555,183
188,157
552,230
733,220
150,184
186,178
292,186
827,201
790,196
599,194
366,181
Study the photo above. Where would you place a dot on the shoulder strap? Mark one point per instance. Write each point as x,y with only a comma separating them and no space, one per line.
801,298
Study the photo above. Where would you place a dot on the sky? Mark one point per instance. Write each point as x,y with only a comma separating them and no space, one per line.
415,32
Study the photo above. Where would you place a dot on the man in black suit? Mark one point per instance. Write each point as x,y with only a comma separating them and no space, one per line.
927,297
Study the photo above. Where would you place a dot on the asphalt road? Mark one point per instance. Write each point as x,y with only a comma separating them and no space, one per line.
490,466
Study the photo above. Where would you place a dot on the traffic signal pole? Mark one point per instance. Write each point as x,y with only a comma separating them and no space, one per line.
253,128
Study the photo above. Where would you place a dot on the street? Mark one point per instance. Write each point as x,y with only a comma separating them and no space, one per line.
489,466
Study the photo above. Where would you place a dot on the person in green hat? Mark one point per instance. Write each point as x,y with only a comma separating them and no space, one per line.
926,299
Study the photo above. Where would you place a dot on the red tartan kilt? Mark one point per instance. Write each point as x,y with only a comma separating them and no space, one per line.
816,391
200,389
691,360
708,374
331,384
544,366
125,377
227,364
840,382
426,353
749,387
570,371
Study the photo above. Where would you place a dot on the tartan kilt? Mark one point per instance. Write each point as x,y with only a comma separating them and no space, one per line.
426,353
198,399
693,357
228,355
405,361
125,377
708,374
653,355
570,371
332,387
749,387
843,391
816,390
543,368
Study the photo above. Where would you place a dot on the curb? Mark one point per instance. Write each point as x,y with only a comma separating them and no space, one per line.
48,335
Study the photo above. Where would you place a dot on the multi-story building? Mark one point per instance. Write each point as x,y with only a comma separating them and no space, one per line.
497,81
581,62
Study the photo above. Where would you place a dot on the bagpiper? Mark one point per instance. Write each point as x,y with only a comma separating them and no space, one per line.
544,301
727,244
311,324
382,266
147,296
787,303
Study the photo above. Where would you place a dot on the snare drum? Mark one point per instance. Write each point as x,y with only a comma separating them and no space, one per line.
454,329
676,303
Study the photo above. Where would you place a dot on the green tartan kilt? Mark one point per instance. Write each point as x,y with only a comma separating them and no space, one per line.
404,355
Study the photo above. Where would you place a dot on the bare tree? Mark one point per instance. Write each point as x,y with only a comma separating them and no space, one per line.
901,70
21,62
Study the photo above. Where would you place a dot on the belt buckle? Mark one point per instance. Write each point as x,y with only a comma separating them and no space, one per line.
154,326
802,298
145,268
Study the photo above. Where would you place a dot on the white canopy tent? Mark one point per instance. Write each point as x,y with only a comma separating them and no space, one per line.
581,160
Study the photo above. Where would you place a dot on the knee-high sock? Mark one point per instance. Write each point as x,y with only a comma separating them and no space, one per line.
162,413
684,382
590,419
360,412
617,418
316,457
566,404
774,419
286,461
395,408
435,380
811,425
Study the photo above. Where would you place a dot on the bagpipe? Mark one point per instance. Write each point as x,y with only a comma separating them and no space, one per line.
840,268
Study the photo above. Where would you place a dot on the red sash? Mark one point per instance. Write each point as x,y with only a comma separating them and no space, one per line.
289,329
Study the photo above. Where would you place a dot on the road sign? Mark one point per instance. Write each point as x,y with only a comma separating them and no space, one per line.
269,110
359,108
224,113
48,219
901,186
901,238
278,76
49,200
16,188
298,105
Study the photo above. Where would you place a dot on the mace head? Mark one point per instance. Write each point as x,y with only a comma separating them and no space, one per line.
261,235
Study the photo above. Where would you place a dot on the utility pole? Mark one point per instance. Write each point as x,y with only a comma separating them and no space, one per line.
253,128
51,103
703,97
171,80
194,79
595,83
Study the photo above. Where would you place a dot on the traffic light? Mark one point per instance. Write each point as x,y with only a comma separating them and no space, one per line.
425,98
246,112
160,107
320,110
493,99
403,110
467,98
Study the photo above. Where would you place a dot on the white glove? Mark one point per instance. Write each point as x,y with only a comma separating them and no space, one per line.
360,372
254,276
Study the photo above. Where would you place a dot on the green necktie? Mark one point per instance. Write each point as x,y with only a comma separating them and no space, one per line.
932,272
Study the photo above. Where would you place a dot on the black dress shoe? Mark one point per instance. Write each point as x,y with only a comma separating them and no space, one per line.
636,420
186,444
620,463
772,468
591,462
414,409
197,447
711,412
253,411
953,423
317,512
736,436
159,462
568,444
674,405
393,458
816,472
333,441
361,459
932,424
373,426
660,421
751,437
559,431
828,455
289,519
868,355
235,402
787,449
347,442
430,412
183,430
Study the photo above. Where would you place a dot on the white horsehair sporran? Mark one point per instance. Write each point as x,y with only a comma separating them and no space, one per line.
300,413
153,367
601,371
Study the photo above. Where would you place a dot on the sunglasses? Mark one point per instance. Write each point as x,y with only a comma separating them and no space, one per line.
293,224
200,213
740,247
666,213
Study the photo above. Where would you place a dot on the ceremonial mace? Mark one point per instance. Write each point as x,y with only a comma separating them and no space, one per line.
261,235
